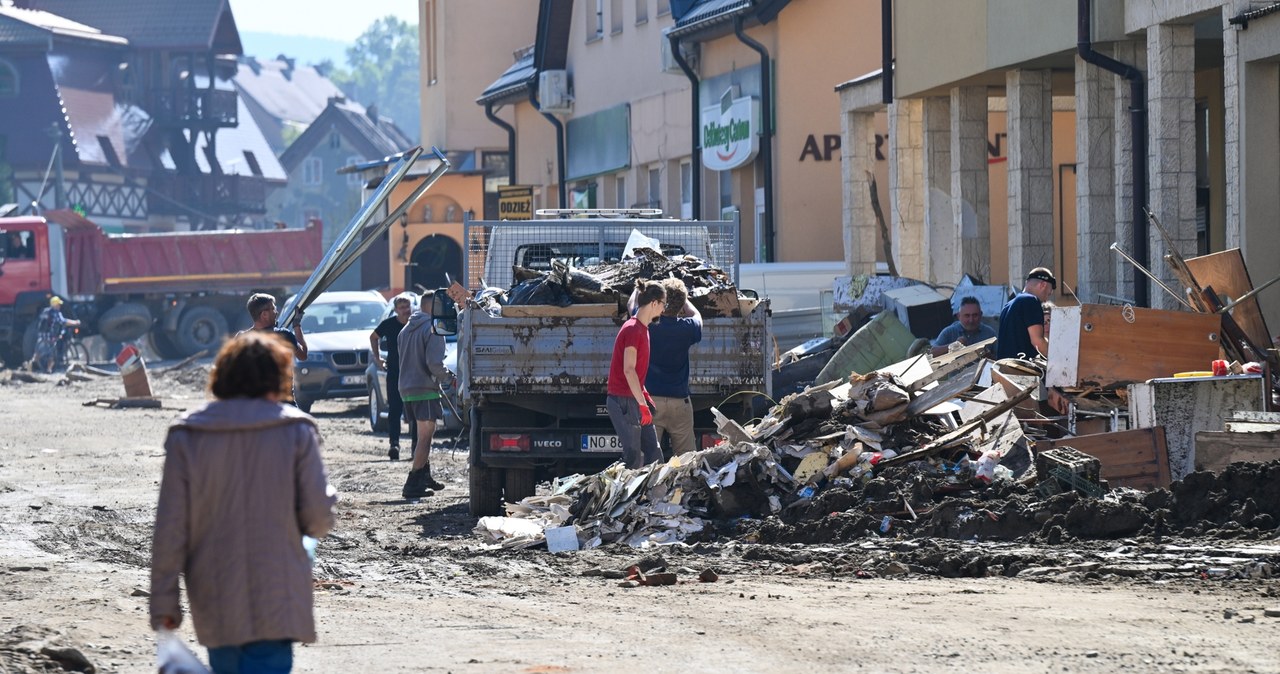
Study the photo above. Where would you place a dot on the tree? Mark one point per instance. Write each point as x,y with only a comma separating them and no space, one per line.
382,70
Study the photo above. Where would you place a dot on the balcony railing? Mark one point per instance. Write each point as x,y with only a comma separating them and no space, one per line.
194,108
214,195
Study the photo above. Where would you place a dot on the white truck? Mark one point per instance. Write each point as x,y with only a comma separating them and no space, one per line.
533,386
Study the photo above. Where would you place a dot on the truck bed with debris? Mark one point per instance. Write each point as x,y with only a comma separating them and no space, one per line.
533,378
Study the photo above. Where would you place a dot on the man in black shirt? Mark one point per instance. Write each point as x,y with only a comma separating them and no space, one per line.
262,309
389,330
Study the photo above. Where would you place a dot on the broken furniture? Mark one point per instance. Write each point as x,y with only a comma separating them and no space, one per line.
1137,459
1187,405
1109,346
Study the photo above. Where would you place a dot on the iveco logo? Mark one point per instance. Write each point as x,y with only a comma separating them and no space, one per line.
548,444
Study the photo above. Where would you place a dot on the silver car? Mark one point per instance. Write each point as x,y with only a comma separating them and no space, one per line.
336,327
376,382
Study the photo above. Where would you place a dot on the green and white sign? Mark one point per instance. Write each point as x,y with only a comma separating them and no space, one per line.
730,133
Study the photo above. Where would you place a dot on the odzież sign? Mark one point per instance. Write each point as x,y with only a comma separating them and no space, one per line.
730,134
515,202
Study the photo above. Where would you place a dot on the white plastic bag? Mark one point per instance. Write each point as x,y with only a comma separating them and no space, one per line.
173,656
639,240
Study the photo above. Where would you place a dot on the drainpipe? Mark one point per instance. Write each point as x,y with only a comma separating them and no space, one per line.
886,50
695,126
766,133
533,98
1138,144
511,141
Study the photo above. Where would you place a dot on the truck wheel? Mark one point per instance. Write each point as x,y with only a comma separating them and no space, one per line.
377,423
200,329
520,483
162,341
125,322
486,491
28,343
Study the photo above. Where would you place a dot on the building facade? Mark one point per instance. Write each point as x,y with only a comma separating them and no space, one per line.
1108,107
709,109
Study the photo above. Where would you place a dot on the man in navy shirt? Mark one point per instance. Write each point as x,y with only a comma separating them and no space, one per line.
670,338
1022,333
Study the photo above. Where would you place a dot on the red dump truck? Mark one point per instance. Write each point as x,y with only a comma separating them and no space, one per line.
186,289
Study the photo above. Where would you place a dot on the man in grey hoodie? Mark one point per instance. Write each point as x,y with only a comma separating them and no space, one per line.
422,378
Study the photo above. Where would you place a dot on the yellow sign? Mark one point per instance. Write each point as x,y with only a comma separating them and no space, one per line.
515,202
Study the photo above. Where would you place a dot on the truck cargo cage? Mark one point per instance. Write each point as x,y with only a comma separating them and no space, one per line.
583,242
615,213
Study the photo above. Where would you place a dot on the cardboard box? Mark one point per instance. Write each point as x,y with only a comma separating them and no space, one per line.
922,309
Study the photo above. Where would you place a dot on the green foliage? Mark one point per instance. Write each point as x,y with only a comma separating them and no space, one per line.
382,70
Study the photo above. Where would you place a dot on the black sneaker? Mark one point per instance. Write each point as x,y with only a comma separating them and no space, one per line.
415,486
394,453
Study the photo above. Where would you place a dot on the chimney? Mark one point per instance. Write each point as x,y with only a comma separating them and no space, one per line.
372,112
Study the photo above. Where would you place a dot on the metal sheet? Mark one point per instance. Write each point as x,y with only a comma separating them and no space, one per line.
358,235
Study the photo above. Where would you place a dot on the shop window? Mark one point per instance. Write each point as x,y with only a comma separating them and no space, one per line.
620,191
655,187
686,190
726,189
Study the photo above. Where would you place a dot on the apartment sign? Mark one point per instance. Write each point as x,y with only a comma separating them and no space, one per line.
730,133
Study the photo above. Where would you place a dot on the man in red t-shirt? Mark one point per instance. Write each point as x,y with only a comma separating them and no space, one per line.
629,405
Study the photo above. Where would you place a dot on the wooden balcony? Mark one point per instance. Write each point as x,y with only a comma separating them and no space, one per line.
194,108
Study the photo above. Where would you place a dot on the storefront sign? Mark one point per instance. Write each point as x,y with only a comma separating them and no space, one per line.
730,134
515,202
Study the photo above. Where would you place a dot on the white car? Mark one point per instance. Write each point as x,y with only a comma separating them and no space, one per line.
336,327
376,383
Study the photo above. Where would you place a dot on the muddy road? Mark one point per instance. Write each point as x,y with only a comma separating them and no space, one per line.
406,586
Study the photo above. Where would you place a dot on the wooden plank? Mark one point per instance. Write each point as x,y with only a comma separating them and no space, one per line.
1122,345
947,363
1226,272
1136,459
942,442
945,391
571,311
1215,450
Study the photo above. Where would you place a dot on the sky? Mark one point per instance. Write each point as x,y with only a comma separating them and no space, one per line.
334,19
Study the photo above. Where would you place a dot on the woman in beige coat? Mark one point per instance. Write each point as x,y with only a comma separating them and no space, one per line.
243,483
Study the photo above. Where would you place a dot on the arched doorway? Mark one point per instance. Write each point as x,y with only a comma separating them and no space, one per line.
432,258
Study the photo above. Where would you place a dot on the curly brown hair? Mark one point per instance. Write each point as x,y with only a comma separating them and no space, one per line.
252,365
676,296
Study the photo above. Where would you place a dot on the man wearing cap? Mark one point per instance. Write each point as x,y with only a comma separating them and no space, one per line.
1022,333
50,345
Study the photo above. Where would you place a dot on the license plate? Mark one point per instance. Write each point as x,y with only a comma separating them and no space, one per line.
353,380
601,443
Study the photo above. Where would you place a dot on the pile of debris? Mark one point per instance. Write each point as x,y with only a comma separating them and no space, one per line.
1115,433
710,288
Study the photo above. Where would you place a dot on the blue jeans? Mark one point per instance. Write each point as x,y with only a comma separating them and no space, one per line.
639,443
255,657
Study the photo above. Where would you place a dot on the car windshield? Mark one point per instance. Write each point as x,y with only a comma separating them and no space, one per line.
339,316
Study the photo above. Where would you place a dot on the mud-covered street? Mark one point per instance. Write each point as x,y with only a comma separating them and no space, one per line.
406,586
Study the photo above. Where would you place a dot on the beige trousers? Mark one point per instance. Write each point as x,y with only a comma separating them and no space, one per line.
675,416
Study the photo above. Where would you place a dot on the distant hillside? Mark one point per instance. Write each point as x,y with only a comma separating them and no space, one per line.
307,50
